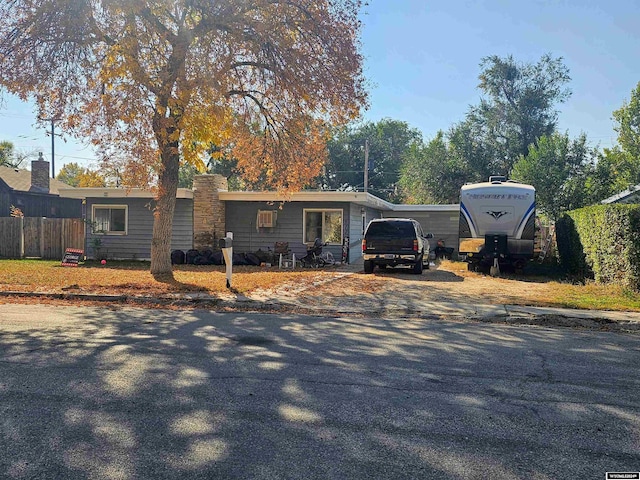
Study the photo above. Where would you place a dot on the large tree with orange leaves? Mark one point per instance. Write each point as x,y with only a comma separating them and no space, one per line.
158,82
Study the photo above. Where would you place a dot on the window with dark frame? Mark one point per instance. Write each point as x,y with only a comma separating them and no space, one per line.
110,220
325,224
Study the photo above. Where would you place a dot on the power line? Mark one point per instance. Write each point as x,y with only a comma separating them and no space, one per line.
79,158
14,115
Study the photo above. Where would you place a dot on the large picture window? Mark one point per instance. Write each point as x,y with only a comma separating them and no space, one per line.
110,219
323,224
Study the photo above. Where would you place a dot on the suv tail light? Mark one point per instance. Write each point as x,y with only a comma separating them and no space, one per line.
415,245
364,244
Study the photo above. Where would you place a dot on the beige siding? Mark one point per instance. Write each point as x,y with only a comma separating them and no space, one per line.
442,224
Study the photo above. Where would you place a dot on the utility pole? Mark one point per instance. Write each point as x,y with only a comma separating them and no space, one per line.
366,165
53,149
53,145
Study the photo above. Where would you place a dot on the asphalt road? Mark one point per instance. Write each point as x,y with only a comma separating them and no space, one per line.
134,393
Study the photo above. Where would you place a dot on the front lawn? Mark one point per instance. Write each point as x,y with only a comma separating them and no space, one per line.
133,278
450,281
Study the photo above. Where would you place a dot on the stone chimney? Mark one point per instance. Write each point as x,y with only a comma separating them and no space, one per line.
39,175
208,211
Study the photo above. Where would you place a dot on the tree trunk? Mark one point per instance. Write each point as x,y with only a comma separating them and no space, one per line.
163,213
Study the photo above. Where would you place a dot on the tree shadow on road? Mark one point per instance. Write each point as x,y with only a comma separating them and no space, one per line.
132,393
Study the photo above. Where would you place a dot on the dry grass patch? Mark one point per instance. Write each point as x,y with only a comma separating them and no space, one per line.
451,282
133,278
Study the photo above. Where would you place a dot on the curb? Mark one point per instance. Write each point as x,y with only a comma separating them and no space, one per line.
626,322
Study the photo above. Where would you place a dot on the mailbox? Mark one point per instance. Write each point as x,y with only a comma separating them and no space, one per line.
226,245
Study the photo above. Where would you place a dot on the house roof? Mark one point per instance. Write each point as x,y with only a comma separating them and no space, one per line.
359,198
83,193
20,180
455,207
630,195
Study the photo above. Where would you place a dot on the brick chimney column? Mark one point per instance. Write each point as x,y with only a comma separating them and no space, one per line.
40,175
209,220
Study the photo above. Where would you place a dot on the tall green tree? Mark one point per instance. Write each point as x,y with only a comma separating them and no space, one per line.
70,174
433,173
75,175
9,157
623,160
605,179
221,162
6,153
560,169
389,142
627,120
518,107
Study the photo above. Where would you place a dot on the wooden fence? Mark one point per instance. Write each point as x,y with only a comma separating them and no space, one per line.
40,237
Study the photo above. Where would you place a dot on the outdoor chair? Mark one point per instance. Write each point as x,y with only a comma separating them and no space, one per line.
283,253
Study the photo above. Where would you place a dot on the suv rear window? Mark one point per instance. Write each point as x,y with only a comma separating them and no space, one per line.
391,229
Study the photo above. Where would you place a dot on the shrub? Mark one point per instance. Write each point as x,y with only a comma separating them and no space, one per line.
602,242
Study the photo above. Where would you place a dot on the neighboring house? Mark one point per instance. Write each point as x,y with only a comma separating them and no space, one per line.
631,195
35,194
122,219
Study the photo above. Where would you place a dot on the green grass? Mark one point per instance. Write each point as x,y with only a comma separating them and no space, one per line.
594,296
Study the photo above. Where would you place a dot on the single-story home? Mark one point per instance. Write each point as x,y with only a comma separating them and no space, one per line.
122,220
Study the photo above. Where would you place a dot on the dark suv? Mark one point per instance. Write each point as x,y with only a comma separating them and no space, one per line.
389,242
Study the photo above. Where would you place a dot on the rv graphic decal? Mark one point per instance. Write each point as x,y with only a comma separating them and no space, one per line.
497,215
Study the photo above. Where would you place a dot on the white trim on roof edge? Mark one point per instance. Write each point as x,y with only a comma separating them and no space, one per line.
426,208
359,198
633,190
116,193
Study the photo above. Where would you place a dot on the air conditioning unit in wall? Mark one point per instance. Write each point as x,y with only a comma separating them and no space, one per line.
266,219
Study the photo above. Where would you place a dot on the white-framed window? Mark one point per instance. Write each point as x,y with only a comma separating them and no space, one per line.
325,224
110,219
266,219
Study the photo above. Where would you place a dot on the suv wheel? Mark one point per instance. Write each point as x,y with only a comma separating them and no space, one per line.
368,266
417,267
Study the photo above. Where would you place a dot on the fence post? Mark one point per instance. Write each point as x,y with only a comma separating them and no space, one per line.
41,235
63,236
21,237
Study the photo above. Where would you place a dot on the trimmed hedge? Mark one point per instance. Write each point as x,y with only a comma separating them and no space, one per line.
602,242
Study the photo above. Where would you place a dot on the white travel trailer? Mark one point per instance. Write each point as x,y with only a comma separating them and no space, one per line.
497,224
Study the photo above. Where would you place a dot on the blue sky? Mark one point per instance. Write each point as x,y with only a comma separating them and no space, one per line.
422,61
